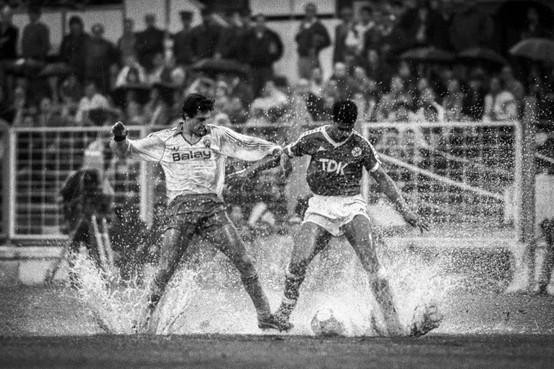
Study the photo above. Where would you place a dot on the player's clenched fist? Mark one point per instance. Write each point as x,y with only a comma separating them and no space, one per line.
119,131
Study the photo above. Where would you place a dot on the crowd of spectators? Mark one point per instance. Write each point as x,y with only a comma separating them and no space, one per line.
143,77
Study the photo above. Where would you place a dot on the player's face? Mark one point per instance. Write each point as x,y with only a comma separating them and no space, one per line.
339,132
198,123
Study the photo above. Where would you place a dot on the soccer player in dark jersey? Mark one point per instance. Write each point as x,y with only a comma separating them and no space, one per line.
338,157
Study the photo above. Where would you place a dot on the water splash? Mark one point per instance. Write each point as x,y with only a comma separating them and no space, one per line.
206,295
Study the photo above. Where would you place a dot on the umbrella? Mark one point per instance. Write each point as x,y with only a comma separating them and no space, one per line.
142,93
24,67
219,66
427,54
56,69
540,49
482,54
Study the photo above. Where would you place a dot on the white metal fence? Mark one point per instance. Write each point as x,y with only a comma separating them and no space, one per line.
458,174
463,177
40,160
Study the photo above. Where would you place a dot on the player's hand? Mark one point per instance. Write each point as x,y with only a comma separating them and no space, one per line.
119,131
415,221
285,164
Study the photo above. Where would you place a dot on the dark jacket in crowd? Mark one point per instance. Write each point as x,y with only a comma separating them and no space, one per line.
231,43
263,49
182,47
8,41
101,54
471,28
204,40
149,42
35,41
435,29
312,39
341,32
72,51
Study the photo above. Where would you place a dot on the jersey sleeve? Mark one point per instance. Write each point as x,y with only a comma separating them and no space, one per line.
149,148
304,145
371,158
243,147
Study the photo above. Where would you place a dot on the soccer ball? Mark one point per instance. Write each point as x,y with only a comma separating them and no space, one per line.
324,323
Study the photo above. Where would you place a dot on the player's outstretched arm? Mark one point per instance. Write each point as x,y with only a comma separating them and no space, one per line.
277,158
389,188
149,148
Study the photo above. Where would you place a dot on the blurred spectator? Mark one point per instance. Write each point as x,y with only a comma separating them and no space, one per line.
7,109
205,37
312,37
346,86
72,49
8,35
500,105
182,41
21,107
533,26
127,43
470,27
71,92
160,72
425,26
92,100
453,101
509,81
316,82
241,89
35,41
474,99
101,57
428,109
131,73
158,109
270,104
263,47
231,43
356,37
376,69
149,42
48,115
396,94
341,32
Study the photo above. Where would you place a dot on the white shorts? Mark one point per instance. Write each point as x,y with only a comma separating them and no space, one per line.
333,212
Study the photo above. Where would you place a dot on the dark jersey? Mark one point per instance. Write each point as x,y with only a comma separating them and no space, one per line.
335,168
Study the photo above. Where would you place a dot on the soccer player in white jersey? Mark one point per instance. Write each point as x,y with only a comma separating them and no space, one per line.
338,157
192,156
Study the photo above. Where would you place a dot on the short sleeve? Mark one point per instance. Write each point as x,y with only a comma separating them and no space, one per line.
304,145
371,158
150,148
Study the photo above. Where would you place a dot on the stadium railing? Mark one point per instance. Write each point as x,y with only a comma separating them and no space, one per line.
464,176
4,193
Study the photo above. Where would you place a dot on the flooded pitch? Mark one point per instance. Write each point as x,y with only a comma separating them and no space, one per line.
208,321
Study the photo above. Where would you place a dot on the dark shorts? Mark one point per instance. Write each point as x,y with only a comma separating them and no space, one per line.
201,213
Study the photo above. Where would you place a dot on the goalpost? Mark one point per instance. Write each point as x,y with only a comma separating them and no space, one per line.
464,177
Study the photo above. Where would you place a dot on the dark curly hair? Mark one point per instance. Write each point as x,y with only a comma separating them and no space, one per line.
195,103
345,112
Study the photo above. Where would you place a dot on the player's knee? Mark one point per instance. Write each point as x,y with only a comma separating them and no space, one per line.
162,277
297,269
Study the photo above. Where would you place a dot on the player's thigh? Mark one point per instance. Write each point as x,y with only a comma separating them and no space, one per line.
310,239
225,237
175,241
358,234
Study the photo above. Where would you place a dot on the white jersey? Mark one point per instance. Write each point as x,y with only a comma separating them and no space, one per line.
197,168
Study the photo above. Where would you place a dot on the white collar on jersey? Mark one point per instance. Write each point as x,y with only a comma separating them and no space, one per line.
333,142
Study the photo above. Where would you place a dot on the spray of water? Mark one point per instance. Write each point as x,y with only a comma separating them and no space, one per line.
206,295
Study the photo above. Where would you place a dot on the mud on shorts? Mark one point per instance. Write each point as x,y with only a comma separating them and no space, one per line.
201,213
333,212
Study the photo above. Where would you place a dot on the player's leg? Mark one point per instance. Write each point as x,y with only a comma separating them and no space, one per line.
173,245
358,233
309,241
226,238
